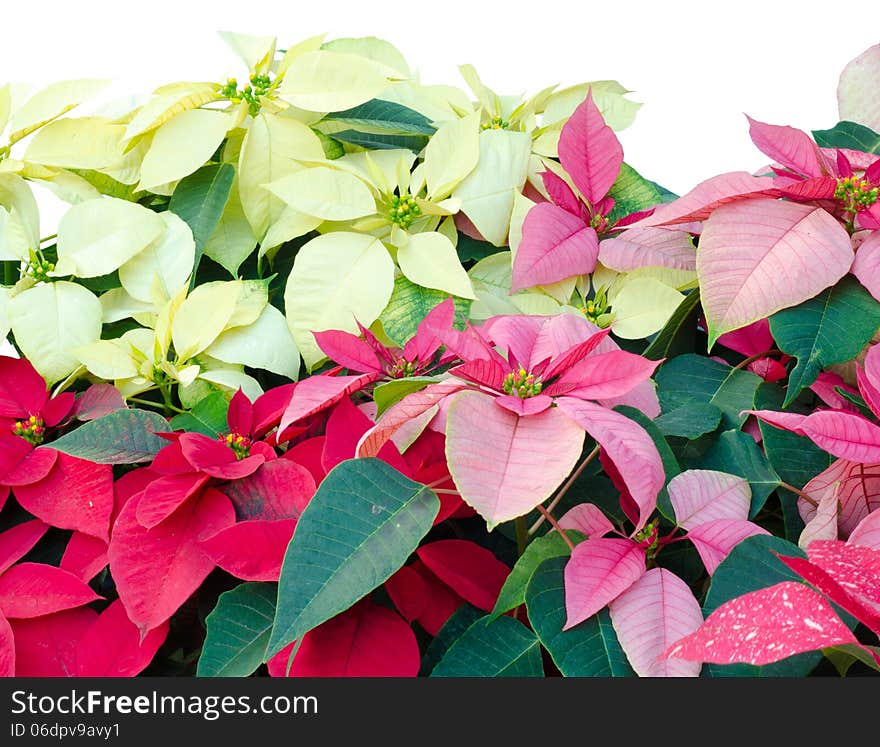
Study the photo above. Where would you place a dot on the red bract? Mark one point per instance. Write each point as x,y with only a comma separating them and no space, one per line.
789,618
63,491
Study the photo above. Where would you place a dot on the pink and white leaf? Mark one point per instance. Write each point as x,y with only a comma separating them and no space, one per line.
652,614
765,626
701,495
855,567
627,445
869,379
503,464
764,255
315,393
823,525
866,266
648,247
867,532
604,375
555,245
588,519
715,539
787,421
860,75
598,571
845,435
855,487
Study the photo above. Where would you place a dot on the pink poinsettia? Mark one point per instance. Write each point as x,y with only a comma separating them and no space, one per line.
205,502
371,360
789,618
63,491
570,233
651,608
515,423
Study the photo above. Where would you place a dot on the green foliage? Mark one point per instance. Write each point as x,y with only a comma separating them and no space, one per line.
122,437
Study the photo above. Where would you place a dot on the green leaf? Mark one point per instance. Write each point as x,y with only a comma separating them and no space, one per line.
737,453
333,149
550,545
690,421
122,437
372,141
671,467
410,304
590,649
831,328
391,392
200,199
386,115
795,458
695,378
473,250
848,135
750,566
632,193
238,631
679,333
207,417
359,528
847,654
500,648
457,624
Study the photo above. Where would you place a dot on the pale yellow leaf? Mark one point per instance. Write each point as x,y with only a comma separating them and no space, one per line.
5,324
50,103
182,145
609,96
430,260
325,193
324,81
168,260
97,237
337,278
233,240
379,51
5,106
52,319
108,359
116,304
232,381
160,109
312,44
451,154
642,306
291,224
19,218
257,52
78,143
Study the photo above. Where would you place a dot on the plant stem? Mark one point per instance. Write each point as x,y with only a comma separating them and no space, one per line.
48,238
813,502
555,524
522,535
565,488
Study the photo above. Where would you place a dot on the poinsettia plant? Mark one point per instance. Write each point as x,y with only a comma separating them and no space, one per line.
329,372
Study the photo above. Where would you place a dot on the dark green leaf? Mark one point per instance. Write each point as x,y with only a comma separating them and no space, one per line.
589,649
500,648
847,654
550,545
796,459
831,328
200,199
452,630
695,378
371,141
386,115
671,467
750,566
849,135
391,392
737,453
632,193
101,283
122,437
472,250
690,421
679,333
207,417
238,631
357,531
410,304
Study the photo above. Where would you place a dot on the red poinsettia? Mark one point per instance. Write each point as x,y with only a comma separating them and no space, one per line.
63,491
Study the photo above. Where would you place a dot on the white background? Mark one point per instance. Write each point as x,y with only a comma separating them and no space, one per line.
696,66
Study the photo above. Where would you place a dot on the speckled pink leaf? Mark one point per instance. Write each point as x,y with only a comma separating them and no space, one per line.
715,539
627,445
590,151
598,571
648,247
761,256
588,519
701,495
503,464
789,147
653,613
765,626
855,567
555,245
